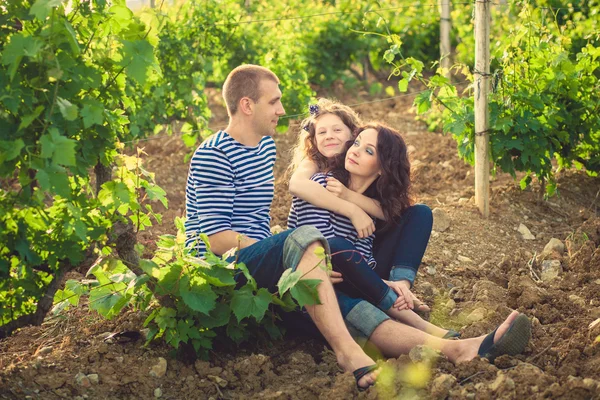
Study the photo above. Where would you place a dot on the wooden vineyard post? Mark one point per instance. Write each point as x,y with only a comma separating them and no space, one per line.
445,26
481,83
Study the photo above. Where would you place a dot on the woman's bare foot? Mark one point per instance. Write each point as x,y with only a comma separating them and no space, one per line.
471,346
353,358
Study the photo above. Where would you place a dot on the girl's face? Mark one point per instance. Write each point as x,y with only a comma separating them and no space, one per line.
361,158
331,134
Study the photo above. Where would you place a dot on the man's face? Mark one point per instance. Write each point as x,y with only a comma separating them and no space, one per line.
268,108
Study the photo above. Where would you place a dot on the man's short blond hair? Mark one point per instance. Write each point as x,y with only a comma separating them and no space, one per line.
244,81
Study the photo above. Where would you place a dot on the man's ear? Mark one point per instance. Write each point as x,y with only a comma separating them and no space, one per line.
246,105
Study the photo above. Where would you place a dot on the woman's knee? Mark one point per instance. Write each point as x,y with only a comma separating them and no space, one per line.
422,213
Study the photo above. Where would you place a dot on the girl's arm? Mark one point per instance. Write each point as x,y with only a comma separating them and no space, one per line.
367,204
302,187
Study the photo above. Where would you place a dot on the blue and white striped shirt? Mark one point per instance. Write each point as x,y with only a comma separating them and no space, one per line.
329,223
229,187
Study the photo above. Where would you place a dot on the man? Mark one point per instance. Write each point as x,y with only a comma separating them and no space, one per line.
228,195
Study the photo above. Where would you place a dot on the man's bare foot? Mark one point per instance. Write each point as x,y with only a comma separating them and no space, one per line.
353,358
472,346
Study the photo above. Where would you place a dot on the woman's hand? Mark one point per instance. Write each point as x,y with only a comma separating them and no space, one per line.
362,222
337,188
405,297
335,277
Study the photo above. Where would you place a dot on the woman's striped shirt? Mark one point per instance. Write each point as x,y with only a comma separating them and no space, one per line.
229,187
329,223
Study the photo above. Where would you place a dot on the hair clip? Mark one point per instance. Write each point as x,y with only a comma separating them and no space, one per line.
313,109
306,127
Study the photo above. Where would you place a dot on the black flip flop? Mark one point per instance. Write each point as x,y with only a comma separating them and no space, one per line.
512,342
359,373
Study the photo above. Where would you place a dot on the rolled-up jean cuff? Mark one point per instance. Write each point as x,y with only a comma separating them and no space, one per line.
388,300
401,273
366,318
297,242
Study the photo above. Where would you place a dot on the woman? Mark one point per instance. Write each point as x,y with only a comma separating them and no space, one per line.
375,160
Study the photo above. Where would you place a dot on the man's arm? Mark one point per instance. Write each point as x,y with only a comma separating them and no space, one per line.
225,240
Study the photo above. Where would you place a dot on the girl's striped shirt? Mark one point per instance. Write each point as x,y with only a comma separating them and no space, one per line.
329,223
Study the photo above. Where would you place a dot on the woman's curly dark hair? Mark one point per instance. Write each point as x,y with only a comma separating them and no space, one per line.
392,188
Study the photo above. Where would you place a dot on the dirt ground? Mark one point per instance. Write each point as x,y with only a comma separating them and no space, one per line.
475,270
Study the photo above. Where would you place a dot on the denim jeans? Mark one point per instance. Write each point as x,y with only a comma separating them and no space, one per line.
399,248
360,281
267,259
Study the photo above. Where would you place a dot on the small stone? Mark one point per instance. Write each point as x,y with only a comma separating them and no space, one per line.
441,222
463,200
502,382
158,393
440,387
577,300
551,269
554,245
450,304
94,378
102,348
430,270
590,384
427,289
43,351
464,259
424,354
82,380
525,232
476,315
218,380
119,359
160,369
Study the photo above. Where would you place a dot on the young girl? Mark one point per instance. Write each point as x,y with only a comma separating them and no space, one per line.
402,236
377,159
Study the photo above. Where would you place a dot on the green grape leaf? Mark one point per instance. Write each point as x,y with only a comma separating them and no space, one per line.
305,292
69,111
244,303
198,297
287,280
41,8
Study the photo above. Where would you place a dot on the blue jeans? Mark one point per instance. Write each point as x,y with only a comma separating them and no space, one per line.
360,281
399,248
267,259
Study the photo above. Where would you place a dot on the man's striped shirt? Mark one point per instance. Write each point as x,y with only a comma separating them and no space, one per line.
329,223
229,187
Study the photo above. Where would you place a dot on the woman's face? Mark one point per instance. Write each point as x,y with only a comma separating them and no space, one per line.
331,134
361,158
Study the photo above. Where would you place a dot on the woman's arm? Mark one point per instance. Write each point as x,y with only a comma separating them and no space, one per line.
304,188
367,204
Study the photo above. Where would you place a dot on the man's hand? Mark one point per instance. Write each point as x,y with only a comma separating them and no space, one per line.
337,188
362,222
405,298
335,277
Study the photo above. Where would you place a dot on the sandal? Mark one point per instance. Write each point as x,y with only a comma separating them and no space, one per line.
359,373
451,335
512,342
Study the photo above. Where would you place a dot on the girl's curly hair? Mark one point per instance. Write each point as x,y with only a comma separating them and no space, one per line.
392,188
306,145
